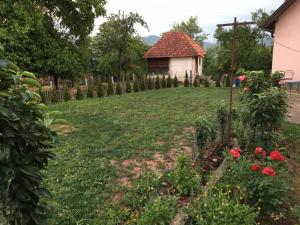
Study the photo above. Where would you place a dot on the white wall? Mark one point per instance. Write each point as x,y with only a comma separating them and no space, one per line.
178,66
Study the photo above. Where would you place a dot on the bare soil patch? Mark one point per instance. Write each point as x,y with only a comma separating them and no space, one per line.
64,129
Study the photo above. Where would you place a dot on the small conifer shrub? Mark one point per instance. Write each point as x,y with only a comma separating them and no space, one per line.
186,82
100,91
143,86
163,82
218,83
79,95
206,82
54,96
90,93
196,81
128,86
157,83
175,82
150,83
110,88
146,82
136,87
67,96
169,82
119,89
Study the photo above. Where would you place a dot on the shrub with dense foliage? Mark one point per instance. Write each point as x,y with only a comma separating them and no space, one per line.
128,86
218,207
67,96
90,92
143,85
136,85
119,89
79,95
160,211
157,83
150,83
169,81
186,82
175,83
184,178
163,82
100,91
54,96
24,142
110,87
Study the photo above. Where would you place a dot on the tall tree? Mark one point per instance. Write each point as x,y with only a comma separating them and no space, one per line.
192,28
117,47
252,53
48,36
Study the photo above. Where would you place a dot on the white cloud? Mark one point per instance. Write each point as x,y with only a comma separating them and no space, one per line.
161,14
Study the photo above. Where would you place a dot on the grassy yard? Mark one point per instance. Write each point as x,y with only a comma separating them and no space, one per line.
109,140
85,176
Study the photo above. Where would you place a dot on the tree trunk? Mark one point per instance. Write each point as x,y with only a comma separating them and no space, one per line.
56,82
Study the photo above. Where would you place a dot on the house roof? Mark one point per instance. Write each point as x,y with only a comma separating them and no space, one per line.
175,45
269,25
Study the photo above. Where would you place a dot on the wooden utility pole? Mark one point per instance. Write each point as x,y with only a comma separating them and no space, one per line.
235,24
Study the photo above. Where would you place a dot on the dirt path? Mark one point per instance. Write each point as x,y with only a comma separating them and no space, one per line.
295,109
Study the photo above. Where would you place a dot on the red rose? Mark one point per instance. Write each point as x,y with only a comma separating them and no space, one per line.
242,77
269,171
255,167
277,156
238,149
263,154
258,150
234,153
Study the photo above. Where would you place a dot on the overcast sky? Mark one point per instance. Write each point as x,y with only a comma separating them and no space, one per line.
161,14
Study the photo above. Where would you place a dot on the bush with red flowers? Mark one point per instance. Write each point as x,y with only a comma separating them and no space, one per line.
262,180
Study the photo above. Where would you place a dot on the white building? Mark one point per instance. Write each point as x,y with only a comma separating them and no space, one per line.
175,53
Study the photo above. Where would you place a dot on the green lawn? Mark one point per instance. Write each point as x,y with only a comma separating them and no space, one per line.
82,178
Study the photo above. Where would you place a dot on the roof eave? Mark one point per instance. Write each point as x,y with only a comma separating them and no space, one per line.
269,25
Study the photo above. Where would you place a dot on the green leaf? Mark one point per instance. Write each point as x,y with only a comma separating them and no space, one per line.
31,82
28,74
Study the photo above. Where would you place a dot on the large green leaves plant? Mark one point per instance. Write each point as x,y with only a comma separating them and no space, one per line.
25,139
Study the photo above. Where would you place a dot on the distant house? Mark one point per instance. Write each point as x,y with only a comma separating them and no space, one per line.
284,24
174,54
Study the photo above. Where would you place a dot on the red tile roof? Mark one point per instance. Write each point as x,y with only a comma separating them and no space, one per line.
175,44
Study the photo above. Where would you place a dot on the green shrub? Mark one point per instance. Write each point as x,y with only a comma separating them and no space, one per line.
128,86
157,83
205,132
146,82
218,83
54,96
79,95
143,85
110,87
169,81
159,212
26,137
90,92
269,193
136,86
144,188
67,96
119,89
100,91
150,83
196,81
186,82
184,178
163,82
206,82
220,208
175,83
